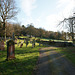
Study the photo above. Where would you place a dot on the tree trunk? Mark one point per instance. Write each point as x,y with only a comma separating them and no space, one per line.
4,27
72,31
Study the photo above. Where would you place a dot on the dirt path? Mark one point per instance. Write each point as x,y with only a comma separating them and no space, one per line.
52,63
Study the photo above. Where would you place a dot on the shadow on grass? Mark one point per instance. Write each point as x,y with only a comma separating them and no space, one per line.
23,64
18,66
69,52
25,61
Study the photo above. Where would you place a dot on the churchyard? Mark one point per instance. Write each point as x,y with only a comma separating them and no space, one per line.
26,57
24,62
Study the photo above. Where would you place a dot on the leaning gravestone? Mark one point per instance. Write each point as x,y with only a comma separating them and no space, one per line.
21,44
10,50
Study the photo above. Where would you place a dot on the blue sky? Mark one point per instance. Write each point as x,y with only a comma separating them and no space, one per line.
44,13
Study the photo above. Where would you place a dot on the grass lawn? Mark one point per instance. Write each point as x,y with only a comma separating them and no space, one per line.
69,52
44,39
23,64
23,37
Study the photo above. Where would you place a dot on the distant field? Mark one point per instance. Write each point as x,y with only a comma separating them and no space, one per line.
23,37
45,39
53,40
26,59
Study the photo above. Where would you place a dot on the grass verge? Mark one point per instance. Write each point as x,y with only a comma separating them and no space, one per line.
69,52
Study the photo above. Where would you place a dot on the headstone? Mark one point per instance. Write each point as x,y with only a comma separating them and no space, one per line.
10,50
26,42
2,45
33,43
21,44
30,41
15,41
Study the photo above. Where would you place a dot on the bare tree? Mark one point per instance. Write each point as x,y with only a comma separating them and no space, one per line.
70,25
7,11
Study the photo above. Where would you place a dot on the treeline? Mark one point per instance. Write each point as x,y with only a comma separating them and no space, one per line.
31,31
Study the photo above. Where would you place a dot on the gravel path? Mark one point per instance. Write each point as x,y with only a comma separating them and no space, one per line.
52,63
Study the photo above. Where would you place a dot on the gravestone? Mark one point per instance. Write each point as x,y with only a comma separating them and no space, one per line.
2,45
10,50
30,40
15,41
33,43
21,44
26,42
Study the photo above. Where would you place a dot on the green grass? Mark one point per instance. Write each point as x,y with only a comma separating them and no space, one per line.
23,37
24,63
44,39
69,52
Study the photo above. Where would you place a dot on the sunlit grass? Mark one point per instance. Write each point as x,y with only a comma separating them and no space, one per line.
44,39
23,37
24,63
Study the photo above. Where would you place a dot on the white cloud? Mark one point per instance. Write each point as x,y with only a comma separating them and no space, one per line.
38,20
52,21
27,6
67,7
62,2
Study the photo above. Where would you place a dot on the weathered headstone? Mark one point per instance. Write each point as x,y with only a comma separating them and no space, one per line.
10,50
21,44
26,42
15,41
2,45
33,43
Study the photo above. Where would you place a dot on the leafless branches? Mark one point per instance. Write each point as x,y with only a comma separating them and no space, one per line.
7,9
